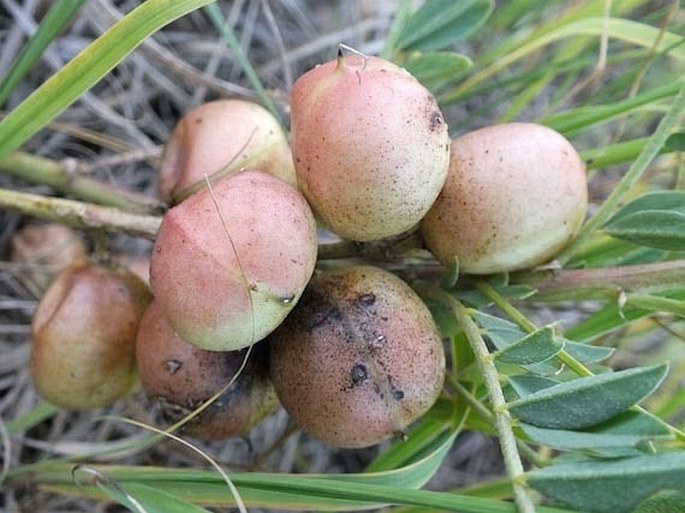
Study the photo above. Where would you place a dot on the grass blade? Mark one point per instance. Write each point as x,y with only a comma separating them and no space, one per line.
87,68
59,16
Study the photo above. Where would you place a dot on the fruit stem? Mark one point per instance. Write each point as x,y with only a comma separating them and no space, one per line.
67,181
512,458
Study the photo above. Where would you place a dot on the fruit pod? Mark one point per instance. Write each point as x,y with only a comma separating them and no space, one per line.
181,377
218,138
370,146
83,336
43,251
359,359
226,274
515,195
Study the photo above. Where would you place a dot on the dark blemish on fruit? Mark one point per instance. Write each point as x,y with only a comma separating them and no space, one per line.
397,394
367,299
173,366
358,374
435,120
327,312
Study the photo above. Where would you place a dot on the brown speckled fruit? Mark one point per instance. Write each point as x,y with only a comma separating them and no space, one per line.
359,359
370,145
515,195
181,377
218,138
83,336
223,287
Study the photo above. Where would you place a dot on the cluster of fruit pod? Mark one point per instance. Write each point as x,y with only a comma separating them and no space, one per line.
351,352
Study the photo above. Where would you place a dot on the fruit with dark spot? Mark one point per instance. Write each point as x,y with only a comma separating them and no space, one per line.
370,146
353,372
226,274
515,195
83,336
218,138
181,377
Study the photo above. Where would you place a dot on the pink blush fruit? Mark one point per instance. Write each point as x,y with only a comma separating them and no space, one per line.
226,278
515,195
219,138
180,377
370,145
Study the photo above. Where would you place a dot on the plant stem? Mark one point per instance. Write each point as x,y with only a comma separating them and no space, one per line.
650,150
602,283
512,459
526,451
48,172
79,214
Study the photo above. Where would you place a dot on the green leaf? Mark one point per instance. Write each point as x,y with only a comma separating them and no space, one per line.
659,229
619,153
536,347
297,492
515,49
503,333
673,201
139,497
426,434
59,16
436,69
437,24
616,486
528,384
626,429
676,142
664,501
588,401
610,317
476,299
574,120
586,353
87,68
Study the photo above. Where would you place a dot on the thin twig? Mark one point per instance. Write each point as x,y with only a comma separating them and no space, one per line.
48,172
80,215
